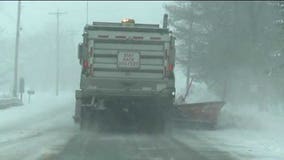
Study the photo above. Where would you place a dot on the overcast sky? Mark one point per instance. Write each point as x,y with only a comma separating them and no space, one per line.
37,22
35,14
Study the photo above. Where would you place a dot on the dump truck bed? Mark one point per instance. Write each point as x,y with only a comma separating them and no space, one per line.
127,60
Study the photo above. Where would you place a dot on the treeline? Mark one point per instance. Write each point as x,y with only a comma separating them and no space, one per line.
236,47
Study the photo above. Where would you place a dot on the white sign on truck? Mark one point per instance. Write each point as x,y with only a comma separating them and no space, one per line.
128,60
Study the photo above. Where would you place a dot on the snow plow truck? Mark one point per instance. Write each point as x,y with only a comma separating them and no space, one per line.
127,75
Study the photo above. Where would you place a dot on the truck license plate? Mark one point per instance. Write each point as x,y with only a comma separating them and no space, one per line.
129,60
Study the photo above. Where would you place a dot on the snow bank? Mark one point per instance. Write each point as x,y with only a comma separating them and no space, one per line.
250,117
44,123
251,131
41,104
245,131
239,143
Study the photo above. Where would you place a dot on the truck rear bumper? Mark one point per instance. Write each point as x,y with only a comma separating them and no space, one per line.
125,93
127,87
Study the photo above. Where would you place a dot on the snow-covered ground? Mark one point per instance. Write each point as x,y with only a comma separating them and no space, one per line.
252,136
246,132
29,131
45,124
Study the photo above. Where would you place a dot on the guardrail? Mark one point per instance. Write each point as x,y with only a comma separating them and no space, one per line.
10,102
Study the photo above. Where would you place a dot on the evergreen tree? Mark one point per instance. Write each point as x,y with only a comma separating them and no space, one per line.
226,43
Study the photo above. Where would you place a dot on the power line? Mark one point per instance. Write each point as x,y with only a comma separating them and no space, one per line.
57,13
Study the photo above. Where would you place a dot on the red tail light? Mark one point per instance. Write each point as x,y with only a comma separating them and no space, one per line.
86,64
171,67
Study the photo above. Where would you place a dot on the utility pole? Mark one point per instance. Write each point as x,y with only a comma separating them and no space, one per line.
58,13
15,89
87,10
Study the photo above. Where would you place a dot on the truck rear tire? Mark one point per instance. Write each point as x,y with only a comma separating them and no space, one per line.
154,120
165,125
169,125
85,118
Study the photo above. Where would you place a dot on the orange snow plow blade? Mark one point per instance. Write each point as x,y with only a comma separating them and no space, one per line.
205,113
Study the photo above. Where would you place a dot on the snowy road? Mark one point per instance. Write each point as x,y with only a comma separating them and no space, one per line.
28,131
89,146
44,130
